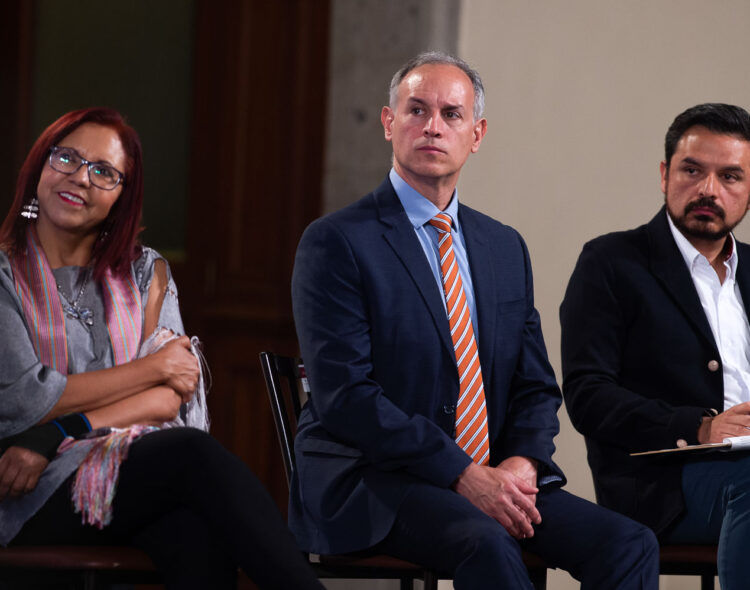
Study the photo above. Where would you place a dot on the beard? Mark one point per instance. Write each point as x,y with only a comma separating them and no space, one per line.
702,227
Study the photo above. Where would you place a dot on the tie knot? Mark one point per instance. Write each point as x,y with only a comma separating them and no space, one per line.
442,221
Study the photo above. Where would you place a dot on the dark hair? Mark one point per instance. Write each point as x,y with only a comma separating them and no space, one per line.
119,244
725,119
439,58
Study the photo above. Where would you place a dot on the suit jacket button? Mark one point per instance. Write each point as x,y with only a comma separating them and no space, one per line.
713,366
449,409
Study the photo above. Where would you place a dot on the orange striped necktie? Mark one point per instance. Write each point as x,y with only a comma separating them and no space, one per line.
471,411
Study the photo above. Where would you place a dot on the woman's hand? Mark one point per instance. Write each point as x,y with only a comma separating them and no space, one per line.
20,469
181,369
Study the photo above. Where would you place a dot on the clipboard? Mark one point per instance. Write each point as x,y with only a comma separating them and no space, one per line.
735,443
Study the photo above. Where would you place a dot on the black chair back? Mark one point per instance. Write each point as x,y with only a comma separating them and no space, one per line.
287,392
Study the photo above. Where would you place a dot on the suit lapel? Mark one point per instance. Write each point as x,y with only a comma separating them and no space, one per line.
669,267
485,291
400,235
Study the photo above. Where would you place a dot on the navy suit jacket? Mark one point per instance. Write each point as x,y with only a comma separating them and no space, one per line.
638,375
374,336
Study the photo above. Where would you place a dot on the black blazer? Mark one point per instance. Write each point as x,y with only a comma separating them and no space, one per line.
374,334
640,365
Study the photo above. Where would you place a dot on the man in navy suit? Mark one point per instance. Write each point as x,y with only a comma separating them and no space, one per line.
656,346
381,462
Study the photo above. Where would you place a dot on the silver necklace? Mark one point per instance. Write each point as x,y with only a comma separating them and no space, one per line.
71,308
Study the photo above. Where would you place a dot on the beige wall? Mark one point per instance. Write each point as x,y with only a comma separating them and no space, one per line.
360,70
579,96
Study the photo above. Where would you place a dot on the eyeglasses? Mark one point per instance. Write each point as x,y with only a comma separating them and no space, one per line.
68,161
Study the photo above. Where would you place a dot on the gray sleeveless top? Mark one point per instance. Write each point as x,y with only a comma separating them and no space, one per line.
29,390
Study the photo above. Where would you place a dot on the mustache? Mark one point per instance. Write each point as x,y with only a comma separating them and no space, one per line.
705,203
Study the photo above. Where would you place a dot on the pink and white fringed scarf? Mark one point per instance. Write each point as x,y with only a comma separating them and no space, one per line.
35,285
96,479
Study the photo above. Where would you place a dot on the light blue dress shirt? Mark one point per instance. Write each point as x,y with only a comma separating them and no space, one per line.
420,210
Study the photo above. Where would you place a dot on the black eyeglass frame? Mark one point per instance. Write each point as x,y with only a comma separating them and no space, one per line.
84,162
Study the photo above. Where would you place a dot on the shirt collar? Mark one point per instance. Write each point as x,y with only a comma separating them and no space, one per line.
420,209
691,255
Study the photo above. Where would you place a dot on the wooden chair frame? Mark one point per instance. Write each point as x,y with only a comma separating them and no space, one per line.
75,567
689,560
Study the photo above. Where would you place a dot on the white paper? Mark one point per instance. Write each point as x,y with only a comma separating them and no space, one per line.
738,442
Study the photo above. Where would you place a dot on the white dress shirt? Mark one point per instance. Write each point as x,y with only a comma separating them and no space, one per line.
722,304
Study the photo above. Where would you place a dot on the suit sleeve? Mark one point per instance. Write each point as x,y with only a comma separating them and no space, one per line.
532,423
595,332
333,325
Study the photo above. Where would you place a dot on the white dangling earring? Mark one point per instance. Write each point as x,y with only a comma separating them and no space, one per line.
31,209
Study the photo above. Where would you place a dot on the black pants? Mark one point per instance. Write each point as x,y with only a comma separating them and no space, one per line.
195,508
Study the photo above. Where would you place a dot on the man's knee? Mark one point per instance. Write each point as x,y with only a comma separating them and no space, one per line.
486,541
629,545
738,479
488,552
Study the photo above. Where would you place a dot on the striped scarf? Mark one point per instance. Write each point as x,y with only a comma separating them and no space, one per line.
95,484
45,318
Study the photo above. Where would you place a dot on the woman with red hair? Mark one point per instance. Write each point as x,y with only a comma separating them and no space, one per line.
102,406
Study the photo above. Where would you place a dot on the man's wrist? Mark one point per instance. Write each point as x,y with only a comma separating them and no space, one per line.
534,462
704,430
461,476
515,458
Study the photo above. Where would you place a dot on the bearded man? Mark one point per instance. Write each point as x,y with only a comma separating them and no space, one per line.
656,346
